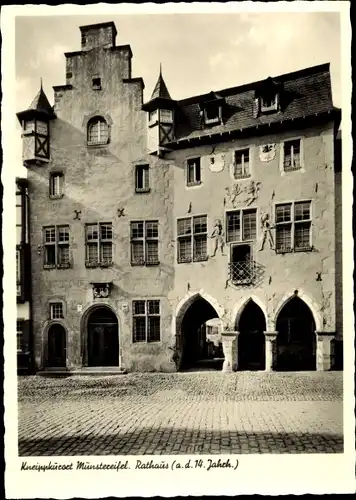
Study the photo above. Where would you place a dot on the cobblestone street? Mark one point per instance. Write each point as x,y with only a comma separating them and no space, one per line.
182,413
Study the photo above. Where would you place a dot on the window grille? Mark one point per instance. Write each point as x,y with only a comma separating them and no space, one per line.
56,310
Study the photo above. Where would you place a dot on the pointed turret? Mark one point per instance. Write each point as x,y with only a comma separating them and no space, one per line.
39,106
35,129
161,116
160,90
160,96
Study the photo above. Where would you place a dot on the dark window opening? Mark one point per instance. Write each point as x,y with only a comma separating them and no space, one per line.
212,114
96,83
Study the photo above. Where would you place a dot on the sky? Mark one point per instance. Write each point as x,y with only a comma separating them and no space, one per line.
198,52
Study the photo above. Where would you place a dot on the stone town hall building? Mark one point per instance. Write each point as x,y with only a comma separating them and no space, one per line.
167,232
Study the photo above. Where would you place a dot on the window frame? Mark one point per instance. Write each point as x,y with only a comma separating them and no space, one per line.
271,108
145,240
52,305
97,85
56,244
243,175
100,242
169,120
20,334
241,240
192,240
146,315
145,177
96,120
292,223
218,117
18,273
192,162
52,175
301,168
19,224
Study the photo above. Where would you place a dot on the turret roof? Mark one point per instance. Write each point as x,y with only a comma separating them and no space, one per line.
160,90
40,104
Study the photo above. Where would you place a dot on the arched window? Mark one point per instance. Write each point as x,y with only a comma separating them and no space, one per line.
98,131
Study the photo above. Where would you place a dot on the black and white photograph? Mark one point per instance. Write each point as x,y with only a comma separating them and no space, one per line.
178,189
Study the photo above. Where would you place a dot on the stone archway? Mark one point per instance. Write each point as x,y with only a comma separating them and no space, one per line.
57,346
251,339
191,335
296,337
101,337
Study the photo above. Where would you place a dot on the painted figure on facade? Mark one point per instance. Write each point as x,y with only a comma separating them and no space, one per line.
250,192
266,232
218,235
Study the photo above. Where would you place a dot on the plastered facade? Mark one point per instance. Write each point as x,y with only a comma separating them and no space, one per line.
99,186
282,273
99,181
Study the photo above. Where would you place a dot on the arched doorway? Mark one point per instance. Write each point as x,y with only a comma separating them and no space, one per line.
198,345
57,346
251,339
103,338
296,339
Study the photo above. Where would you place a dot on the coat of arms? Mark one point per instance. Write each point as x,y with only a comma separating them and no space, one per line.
267,152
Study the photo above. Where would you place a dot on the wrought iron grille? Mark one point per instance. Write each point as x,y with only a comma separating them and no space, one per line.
242,273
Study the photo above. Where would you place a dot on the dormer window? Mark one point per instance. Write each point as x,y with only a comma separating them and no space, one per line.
211,109
267,97
269,103
212,114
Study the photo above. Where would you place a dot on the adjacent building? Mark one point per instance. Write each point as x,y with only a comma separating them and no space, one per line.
23,279
150,220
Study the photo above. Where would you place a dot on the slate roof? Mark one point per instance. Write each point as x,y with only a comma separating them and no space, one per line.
160,91
40,104
305,92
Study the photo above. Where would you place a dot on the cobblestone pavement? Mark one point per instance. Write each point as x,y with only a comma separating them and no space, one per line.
181,413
